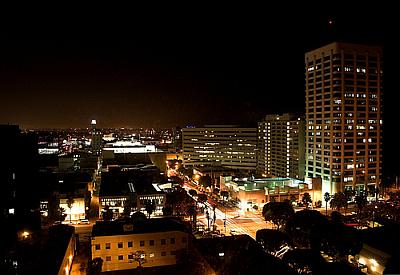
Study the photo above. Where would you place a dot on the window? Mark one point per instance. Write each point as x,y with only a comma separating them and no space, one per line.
120,245
163,253
172,241
108,245
120,257
108,258
141,243
151,255
130,257
130,244
163,242
97,246
151,242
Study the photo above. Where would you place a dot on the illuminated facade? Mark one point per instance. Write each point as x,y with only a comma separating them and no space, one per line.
76,212
257,192
97,137
281,149
161,242
228,146
344,116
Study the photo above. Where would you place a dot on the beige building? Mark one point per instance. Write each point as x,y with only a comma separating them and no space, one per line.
221,145
281,149
344,116
158,241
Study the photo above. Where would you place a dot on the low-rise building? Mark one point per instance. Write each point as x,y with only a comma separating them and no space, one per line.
256,192
158,242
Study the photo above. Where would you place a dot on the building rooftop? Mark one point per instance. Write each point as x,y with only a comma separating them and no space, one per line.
123,181
123,227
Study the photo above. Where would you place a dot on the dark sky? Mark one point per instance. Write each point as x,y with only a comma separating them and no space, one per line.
164,69
174,67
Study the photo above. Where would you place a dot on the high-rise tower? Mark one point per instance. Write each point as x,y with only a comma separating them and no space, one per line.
281,146
96,138
344,116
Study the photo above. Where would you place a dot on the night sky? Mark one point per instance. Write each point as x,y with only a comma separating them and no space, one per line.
175,68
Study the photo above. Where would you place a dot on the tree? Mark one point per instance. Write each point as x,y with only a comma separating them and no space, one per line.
138,218
327,197
95,266
361,202
192,214
192,192
202,198
278,212
225,194
341,241
339,201
305,261
306,199
70,203
206,181
108,214
274,242
150,206
306,228
139,257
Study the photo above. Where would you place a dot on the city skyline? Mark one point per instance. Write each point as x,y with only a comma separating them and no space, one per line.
161,73
164,71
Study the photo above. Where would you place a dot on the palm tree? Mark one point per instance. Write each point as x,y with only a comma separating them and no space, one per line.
327,197
70,203
306,199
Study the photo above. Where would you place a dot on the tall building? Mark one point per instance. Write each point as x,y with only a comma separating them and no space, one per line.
18,178
281,149
97,138
344,116
222,145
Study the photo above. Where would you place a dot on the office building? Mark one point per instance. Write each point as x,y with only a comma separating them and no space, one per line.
344,116
281,149
159,241
97,138
221,145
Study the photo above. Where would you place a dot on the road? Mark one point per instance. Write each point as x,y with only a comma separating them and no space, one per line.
241,222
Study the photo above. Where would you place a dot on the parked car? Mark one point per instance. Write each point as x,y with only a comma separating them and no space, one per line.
85,221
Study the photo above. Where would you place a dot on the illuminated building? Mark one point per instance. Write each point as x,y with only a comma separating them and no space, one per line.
344,116
258,191
222,145
281,146
122,186
97,137
161,242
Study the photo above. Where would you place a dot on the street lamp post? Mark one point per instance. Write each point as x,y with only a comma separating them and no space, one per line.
225,221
